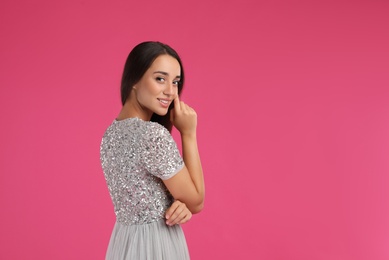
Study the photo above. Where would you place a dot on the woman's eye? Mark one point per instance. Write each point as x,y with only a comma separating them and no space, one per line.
176,82
160,79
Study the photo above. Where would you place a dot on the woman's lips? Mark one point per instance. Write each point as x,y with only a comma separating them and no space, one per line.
164,102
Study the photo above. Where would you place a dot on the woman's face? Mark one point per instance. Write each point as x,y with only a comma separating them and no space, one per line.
158,87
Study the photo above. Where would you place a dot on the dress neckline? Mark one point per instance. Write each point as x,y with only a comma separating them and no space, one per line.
128,118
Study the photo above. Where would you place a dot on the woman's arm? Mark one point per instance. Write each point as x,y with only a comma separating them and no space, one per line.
188,184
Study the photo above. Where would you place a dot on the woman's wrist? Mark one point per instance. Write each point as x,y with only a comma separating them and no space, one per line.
189,135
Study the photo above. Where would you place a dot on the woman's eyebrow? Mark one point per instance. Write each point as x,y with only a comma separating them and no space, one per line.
165,73
161,72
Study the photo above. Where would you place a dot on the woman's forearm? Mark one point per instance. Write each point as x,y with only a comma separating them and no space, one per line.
193,163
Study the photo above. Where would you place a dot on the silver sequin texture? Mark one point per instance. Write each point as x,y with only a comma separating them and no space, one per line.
135,155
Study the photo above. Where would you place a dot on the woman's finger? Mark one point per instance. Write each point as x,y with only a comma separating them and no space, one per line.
186,218
171,210
185,107
177,215
177,104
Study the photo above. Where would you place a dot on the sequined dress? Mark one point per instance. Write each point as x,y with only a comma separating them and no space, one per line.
136,156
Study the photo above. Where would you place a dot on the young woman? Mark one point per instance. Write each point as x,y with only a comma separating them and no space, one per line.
152,187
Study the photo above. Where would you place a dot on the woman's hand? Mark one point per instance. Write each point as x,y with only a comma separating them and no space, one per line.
183,117
178,213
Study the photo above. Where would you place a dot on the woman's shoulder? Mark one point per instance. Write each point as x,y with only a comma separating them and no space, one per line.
148,128
155,130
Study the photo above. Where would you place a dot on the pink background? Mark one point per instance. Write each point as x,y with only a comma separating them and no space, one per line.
293,104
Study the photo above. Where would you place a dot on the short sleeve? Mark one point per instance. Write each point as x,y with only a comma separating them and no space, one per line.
161,156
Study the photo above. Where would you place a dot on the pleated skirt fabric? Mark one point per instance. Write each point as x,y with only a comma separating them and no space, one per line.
153,241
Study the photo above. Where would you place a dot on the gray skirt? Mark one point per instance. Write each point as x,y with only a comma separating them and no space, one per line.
152,241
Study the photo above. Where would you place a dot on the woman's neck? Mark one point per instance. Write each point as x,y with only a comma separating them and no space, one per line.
133,109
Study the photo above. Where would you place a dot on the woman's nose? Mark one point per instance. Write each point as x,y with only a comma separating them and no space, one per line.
169,90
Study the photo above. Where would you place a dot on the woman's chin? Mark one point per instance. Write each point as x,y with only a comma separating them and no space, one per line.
161,113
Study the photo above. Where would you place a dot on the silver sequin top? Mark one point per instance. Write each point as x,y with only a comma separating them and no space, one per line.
136,156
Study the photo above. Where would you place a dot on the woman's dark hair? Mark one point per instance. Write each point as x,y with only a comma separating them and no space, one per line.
138,62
